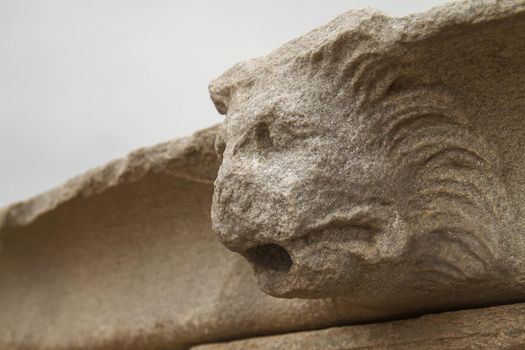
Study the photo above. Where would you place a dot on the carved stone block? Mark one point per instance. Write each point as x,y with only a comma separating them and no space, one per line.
381,159
374,167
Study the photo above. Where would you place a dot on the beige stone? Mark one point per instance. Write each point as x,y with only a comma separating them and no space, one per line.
381,159
501,328
309,192
108,259
124,257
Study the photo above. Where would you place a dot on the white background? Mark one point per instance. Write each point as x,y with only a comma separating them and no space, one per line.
86,81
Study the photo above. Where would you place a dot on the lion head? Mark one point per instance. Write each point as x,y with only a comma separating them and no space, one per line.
342,174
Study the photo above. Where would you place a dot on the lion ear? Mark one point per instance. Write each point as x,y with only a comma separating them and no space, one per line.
220,96
223,89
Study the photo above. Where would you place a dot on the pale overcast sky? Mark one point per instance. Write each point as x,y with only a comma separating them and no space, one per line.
86,81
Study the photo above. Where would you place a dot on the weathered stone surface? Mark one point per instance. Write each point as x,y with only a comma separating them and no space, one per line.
382,160
501,328
109,259
124,257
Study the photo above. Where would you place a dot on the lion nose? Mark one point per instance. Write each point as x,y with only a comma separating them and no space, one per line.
234,241
242,225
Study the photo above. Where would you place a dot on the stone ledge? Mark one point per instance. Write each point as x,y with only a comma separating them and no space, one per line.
500,327
189,157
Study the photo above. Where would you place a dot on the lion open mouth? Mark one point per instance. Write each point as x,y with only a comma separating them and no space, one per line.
270,257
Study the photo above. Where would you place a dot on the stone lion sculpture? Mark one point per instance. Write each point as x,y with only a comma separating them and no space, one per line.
358,162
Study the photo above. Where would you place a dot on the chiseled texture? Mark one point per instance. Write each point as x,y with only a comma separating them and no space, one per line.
108,260
124,257
381,159
501,328
376,163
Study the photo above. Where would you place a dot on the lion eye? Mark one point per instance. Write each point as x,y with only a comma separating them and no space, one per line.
274,137
262,136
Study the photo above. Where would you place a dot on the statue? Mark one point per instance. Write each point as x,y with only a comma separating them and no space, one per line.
351,169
